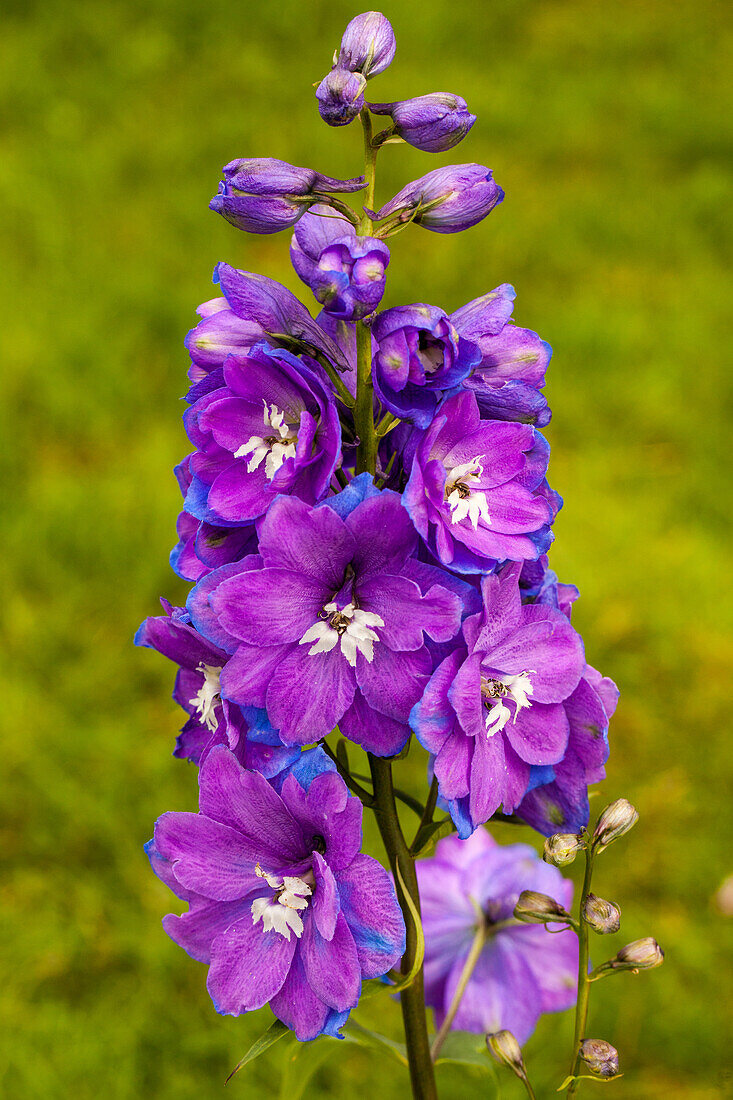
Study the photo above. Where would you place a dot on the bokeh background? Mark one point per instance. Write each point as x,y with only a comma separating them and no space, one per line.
605,124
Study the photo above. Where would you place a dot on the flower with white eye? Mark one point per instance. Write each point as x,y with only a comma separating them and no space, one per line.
280,912
273,447
463,497
208,695
348,625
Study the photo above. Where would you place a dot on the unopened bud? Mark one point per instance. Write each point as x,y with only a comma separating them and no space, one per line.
615,820
562,848
507,1051
602,916
642,954
534,908
600,1057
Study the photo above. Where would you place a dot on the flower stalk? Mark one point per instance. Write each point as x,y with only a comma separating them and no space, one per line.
581,1007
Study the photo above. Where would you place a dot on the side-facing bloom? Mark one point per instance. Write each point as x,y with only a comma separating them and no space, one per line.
433,123
204,546
264,195
509,378
477,492
345,272
211,719
283,908
271,427
522,972
419,356
329,629
446,200
367,45
266,305
494,710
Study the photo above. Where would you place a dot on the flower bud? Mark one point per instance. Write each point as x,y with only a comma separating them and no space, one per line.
368,45
615,820
433,123
562,848
446,200
600,1057
340,96
507,1051
602,916
263,195
644,954
534,908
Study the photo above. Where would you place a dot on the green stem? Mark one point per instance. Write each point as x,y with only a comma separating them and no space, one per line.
412,999
366,458
468,968
581,1007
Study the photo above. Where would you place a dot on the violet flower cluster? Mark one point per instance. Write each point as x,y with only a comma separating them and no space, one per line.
404,594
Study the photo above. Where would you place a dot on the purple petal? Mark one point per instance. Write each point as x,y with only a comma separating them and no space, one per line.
331,966
248,966
539,735
325,905
209,858
196,930
307,694
269,606
306,540
370,906
374,731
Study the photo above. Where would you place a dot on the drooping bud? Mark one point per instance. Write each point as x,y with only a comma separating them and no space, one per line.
600,1057
534,908
264,195
615,820
562,848
368,45
644,954
602,916
507,1051
340,96
433,123
447,200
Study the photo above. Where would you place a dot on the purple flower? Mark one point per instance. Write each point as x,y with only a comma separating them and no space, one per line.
204,546
508,379
330,628
476,492
494,709
446,200
282,320
368,45
211,719
283,908
420,355
433,123
522,972
558,801
264,195
345,272
219,333
340,96
271,428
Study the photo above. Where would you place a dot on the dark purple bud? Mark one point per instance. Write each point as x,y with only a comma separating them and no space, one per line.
340,96
368,45
562,848
264,195
615,821
535,908
446,200
219,333
603,916
600,1057
433,123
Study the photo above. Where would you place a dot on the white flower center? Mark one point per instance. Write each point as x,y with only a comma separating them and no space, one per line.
273,447
516,688
348,625
462,497
280,913
207,696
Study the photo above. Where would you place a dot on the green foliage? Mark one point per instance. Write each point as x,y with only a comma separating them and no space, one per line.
602,121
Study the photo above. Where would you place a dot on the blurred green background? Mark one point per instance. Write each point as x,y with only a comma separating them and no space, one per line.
603,123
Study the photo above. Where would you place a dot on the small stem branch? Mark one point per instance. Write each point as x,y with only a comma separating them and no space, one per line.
468,968
581,1007
339,385
427,815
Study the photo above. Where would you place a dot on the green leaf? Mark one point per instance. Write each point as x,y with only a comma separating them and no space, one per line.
466,1049
372,1039
586,1077
275,1031
302,1060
